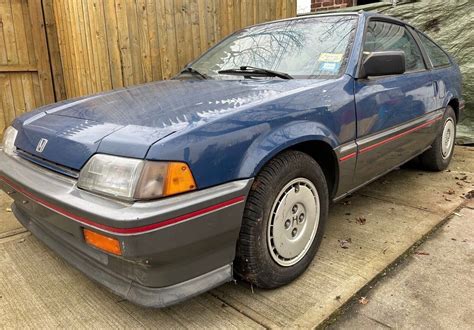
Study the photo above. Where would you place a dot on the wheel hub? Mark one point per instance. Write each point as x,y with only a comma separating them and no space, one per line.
293,222
447,140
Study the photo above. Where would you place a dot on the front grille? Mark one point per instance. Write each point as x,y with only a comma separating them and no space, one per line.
47,164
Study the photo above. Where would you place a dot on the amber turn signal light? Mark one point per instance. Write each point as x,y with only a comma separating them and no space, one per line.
102,242
178,179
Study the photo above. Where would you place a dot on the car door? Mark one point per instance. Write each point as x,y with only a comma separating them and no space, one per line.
392,111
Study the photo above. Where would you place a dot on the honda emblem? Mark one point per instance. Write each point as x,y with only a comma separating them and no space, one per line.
41,145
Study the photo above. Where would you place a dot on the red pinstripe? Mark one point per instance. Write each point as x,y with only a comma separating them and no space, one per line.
392,138
124,231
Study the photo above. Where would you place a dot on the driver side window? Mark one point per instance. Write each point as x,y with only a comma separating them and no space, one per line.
383,36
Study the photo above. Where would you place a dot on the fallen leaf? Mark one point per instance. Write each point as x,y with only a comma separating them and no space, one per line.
345,243
459,184
363,300
469,195
422,253
361,220
447,199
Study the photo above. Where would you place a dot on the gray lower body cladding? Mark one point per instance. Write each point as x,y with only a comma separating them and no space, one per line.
159,265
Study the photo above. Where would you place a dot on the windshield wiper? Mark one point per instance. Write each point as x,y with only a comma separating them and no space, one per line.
249,71
194,72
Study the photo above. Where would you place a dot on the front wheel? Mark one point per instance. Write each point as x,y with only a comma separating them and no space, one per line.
438,157
283,221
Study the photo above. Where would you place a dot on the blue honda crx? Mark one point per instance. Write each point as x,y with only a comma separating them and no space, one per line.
165,190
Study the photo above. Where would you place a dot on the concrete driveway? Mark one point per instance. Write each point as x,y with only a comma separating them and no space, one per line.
431,289
379,223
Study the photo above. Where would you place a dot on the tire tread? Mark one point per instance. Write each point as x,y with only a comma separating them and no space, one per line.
249,265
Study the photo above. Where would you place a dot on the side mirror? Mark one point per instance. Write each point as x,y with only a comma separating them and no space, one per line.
383,63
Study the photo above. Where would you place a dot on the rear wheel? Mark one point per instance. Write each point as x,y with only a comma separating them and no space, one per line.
438,157
283,221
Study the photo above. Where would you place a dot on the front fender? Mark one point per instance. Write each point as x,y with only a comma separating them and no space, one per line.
267,146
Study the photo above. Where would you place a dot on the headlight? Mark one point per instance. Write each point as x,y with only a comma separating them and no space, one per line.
8,143
134,179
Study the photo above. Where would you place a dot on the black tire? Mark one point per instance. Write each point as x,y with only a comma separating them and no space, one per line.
433,159
254,262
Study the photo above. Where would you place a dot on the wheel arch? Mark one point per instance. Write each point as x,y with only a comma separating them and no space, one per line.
319,147
454,103
325,156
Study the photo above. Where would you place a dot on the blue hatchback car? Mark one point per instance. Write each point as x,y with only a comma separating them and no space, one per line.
165,190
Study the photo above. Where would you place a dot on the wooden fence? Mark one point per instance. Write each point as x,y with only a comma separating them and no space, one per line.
25,74
51,50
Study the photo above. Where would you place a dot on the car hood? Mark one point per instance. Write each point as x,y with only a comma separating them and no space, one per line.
128,121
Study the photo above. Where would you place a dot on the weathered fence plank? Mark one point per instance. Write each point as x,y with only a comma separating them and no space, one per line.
25,71
115,43
56,49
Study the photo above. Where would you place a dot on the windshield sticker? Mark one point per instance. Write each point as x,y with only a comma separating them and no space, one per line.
330,57
329,67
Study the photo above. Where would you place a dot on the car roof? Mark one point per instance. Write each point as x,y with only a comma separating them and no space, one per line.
360,13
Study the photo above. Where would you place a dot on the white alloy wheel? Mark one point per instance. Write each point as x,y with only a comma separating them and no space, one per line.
293,222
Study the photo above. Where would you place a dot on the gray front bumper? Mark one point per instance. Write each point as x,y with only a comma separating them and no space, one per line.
172,248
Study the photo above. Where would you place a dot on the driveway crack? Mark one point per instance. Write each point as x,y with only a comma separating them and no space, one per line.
12,233
398,202
238,310
379,322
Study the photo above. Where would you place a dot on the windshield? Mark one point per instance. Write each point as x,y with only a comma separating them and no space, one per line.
304,48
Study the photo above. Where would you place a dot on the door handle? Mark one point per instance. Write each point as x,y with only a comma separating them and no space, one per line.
435,88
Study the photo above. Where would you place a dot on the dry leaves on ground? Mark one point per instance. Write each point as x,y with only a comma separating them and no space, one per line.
363,300
469,195
422,253
345,243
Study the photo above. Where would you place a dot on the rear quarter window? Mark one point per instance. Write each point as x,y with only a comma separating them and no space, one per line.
437,56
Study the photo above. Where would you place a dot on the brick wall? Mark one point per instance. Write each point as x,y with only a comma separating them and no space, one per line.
319,5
